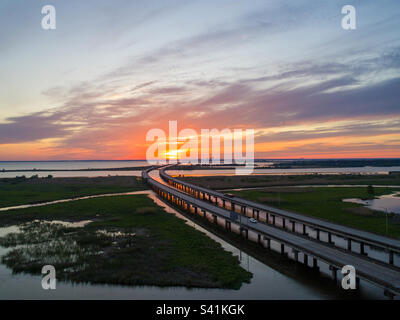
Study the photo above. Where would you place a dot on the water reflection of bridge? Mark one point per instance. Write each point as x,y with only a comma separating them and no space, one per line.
295,235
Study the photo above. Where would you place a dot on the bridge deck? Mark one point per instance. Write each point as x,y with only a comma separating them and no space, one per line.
367,237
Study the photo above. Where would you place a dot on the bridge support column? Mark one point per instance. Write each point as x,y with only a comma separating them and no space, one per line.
232,206
305,259
293,226
268,242
273,219
195,210
258,215
204,213
223,203
391,257
296,254
227,225
259,238
333,272
215,218
315,264
282,248
329,238
362,248
304,230
283,223
317,231
349,244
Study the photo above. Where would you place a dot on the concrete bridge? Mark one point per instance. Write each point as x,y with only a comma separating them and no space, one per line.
353,240
219,208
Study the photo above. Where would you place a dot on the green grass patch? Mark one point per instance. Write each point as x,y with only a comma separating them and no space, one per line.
17,191
326,203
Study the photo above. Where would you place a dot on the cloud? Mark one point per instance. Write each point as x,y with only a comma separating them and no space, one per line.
329,130
168,90
104,119
32,127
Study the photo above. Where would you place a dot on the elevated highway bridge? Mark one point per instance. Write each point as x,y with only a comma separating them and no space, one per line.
221,209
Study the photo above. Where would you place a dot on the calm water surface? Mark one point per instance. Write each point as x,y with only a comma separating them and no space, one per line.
69,165
389,203
83,165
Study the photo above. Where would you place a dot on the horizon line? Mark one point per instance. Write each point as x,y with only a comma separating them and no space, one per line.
256,159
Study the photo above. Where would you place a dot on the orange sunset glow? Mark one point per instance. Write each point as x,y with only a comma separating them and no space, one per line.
92,92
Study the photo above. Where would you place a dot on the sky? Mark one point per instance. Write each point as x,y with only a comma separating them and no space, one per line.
113,70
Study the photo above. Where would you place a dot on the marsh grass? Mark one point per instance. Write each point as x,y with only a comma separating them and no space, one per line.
17,191
131,242
327,203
